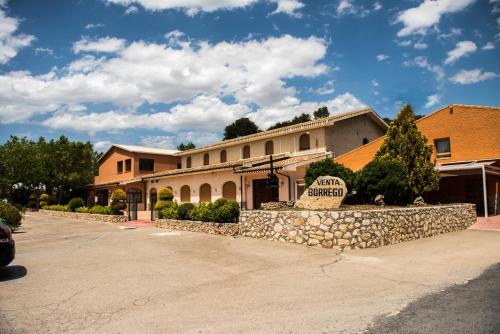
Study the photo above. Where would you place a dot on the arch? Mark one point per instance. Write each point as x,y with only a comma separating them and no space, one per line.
229,190
153,198
188,162
185,194
205,193
304,142
206,159
269,147
365,141
246,152
223,156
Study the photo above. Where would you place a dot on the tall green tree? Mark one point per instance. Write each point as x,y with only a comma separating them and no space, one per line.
405,143
241,127
185,147
296,120
322,112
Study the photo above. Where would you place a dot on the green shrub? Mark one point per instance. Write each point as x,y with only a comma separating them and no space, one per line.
40,204
118,195
218,203
328,167
202,212
82,210
165,194
10,215
168,213
100,210
57,207
229,212
118,207
44,197
160,205
184,211
32,204
75,203
388,178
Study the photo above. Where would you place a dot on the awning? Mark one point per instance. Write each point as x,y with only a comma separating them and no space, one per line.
288,164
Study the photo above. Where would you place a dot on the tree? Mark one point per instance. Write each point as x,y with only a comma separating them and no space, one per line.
240,127
185,147
388,178
296,120
321,112
328,167
405,143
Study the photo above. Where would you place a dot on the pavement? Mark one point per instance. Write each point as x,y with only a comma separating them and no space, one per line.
487,223
76,276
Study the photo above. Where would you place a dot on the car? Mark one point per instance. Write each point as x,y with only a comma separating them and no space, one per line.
7,246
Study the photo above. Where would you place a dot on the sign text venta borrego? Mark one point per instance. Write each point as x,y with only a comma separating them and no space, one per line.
327,192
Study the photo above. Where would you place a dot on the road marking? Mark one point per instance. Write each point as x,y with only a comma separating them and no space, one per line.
164,234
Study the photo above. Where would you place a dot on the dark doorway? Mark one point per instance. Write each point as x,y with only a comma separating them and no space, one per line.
474,193
153,198
102,197
134,196
263,194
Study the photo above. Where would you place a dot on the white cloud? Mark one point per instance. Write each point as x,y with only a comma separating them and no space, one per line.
404,43
165,142
375,83
465,77
420,46
422,62
418,20
462,49
44,50
454,32
432,100
289,7
327,89
488,46
377,6
11,43
131,10
94,26
104,44
347,7
102,145
382,57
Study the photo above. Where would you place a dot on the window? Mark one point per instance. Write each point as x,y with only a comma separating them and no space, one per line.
246,152
304,142
128,165
185,194
205,193
119,167
365,141
223,156
206,159
147,165
188,162
269,147
229,190
443,148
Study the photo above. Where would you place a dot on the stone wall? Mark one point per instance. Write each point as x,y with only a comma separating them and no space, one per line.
86,216
197,226
356,229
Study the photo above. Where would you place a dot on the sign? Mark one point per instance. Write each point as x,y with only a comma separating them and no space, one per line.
327,192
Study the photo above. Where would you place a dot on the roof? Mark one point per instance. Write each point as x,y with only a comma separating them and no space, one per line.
314,124
140,149
283,164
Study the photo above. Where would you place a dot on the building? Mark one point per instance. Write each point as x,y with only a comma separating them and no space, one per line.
124,166
466,151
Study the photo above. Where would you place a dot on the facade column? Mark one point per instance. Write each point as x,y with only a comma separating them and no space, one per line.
485,193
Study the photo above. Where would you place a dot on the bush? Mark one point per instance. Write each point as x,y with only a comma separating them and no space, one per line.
44,197
168,213
10,215
202,212
160,205
184,211
118,195
229,212
100,210
165,194
57,207
388,178
118,207
41,204
219,203
82,210
75,203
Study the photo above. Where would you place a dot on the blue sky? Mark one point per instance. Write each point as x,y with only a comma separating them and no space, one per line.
161,72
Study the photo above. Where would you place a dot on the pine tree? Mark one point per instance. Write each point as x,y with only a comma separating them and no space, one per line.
321,112
405,143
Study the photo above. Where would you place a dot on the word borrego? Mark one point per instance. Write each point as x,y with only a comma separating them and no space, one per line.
325,192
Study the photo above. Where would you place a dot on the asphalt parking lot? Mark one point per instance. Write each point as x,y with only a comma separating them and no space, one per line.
84,277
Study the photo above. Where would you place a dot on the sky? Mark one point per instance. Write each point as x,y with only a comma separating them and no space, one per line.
161,72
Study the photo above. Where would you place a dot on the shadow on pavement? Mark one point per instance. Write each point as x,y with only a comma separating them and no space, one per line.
473,307
12,272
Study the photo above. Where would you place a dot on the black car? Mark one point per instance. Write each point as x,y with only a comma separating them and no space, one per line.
7,246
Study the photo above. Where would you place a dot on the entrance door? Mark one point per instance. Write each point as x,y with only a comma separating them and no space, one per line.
134,196
263,194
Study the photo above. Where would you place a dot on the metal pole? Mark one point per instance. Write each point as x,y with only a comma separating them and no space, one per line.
485,193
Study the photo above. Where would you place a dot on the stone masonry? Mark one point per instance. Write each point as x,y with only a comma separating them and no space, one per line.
356,229
86,216
198,226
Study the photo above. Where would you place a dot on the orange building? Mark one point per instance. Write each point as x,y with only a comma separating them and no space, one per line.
466,151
